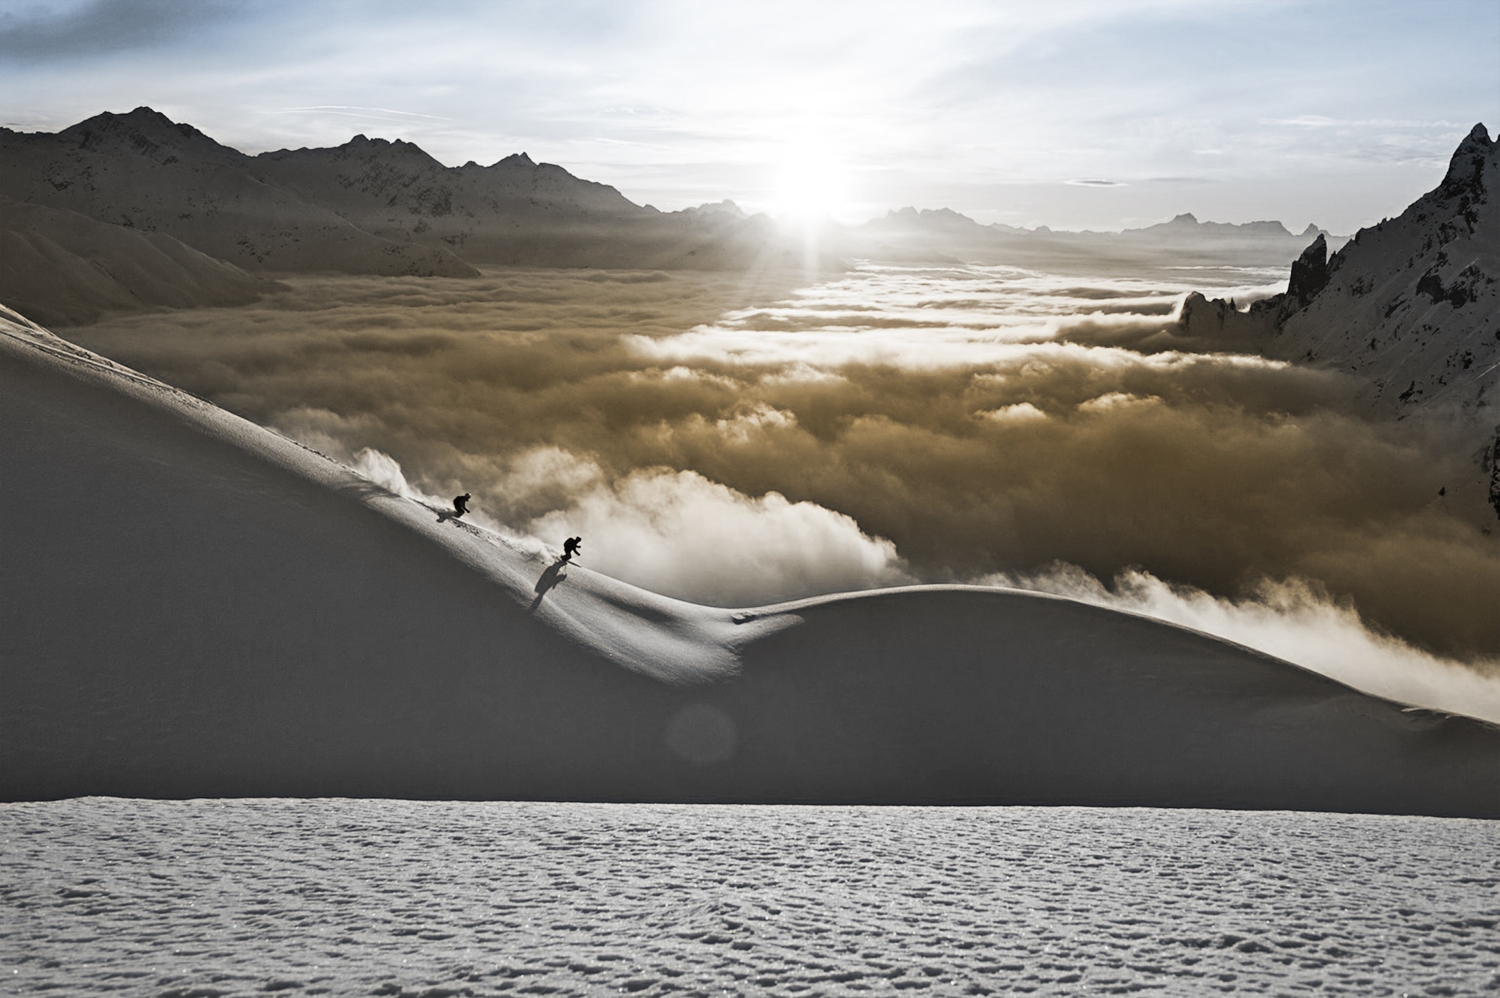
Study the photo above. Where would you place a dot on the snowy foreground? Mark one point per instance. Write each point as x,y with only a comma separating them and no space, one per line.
242,897
194,606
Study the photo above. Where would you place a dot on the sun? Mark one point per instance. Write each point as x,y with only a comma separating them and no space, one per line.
810,183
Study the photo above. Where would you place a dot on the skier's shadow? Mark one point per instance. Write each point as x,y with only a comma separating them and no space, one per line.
550,578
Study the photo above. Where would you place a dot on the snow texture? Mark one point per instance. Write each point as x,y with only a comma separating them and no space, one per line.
196,606
357,897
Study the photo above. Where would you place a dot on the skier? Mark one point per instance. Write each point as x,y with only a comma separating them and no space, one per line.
460,505
570,548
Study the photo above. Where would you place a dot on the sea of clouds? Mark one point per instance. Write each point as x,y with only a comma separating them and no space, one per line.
739,440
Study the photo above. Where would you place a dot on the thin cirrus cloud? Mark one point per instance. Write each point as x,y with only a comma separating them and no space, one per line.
989,108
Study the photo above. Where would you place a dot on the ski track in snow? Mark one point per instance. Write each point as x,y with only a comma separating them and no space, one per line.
346,897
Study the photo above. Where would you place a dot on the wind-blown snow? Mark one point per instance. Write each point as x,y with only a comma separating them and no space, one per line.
1295,621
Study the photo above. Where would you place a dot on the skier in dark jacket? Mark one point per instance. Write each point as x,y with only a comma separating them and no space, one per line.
570,548
460,505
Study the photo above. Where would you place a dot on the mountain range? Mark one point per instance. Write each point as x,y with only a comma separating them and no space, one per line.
369,206
372,206
944,232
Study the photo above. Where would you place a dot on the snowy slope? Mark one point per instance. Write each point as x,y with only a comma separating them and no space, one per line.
195,606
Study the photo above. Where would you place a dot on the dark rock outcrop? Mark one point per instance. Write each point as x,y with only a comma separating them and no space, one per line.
1309,273
1412,305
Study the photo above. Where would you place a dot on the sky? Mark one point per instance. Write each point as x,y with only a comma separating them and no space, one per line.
1086,114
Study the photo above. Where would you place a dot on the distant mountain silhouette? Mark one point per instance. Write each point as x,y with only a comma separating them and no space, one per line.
945,232
143,171
369,206
512,212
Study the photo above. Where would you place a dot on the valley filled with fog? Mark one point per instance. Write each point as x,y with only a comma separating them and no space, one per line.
739,440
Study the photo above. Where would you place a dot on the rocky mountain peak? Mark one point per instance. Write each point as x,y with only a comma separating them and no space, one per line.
144,131
1309,272
1466,168
142,116
725,208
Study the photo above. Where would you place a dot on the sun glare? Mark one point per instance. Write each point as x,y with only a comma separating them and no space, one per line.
810,183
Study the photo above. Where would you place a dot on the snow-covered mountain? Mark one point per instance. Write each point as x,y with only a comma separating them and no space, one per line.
195,606
369,206
143,171
1413,304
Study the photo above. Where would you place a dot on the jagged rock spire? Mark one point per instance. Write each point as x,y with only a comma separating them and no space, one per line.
1309,272
1466,168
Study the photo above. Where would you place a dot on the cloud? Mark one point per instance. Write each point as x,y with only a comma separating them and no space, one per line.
680,534
676,532
642,413
1114,400
1020,412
